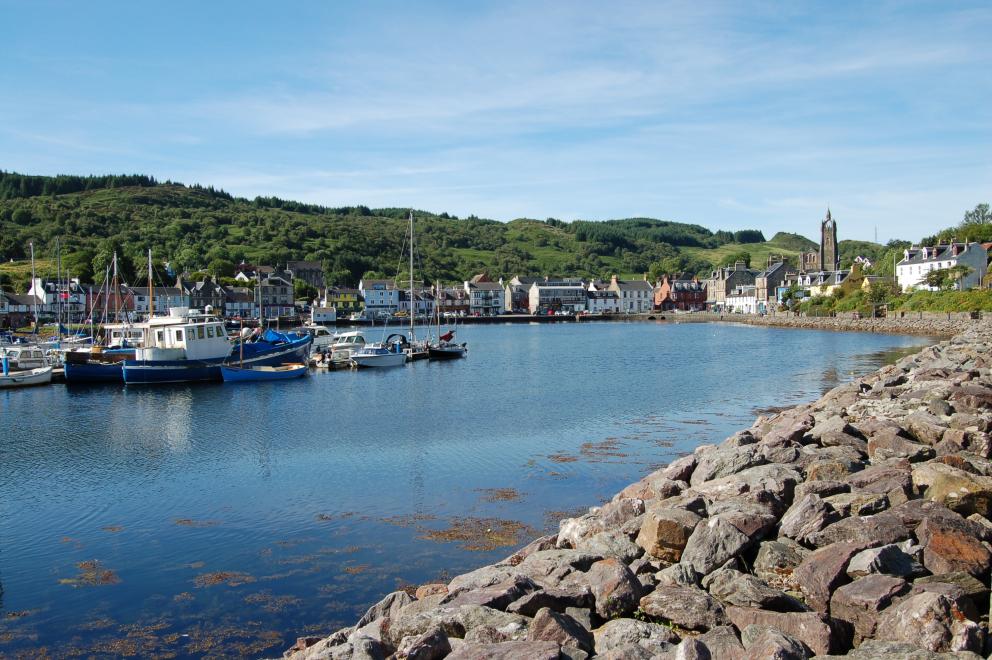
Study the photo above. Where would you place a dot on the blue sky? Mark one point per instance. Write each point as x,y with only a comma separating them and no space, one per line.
729,115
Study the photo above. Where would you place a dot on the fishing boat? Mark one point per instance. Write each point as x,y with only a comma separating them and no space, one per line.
234,374
345,343
96,365
379,355
182,347
24,358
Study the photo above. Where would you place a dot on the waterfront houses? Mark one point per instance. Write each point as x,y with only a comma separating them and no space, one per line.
239,303
726,280
602,301
346,300
382,297
206,293
918,261
485,296
275,295
165,297
311,272
636,296
766,284
516,294
680,292
557,294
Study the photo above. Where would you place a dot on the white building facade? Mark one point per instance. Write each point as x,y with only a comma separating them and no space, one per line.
917,262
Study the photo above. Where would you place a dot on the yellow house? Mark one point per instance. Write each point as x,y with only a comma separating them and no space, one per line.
876,280
344,299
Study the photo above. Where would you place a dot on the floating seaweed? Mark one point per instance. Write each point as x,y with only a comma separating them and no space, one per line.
480,534
562,458
189,522
230,578
113,529
498,494
91,574
356,569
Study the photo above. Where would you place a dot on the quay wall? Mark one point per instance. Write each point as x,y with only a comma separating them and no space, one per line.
857,524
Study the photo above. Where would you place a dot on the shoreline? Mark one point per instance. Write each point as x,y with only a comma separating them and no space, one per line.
821,529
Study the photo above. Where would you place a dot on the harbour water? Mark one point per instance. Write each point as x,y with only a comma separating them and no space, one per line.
228,520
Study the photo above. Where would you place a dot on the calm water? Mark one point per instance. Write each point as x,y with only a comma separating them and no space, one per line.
222,519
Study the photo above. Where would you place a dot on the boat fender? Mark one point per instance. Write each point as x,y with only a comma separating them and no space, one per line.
6,365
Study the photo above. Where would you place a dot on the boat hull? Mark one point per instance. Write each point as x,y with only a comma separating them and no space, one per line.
379,361
447,353
40,376
170,371
93,372
245,375
272,355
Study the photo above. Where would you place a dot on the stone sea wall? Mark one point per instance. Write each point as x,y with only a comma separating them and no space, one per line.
913,323
857,524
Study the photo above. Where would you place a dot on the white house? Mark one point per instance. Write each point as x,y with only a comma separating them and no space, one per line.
423,302
635,295
382,298
602,301
918,261
742,300
565,294
166,297
485,298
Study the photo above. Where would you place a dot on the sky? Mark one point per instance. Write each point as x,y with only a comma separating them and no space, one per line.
730,115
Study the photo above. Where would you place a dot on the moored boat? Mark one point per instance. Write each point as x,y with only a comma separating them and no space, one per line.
379,355
179,348
272,348
235,374
39,376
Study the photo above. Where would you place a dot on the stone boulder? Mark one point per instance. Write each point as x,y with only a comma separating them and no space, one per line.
824,570
763,642
620,632
558,600
735,588
950,546
956,489
507,651
860,602
719,463
712,543
552,626
665,532
776,562
932,622
614,587
810,628
686,607
880,529
807,517
889,559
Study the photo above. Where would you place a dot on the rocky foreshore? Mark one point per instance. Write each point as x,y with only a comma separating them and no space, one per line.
913,323
858,524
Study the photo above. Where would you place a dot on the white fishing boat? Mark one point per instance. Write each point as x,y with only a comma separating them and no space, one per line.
24,358
346,343
379,355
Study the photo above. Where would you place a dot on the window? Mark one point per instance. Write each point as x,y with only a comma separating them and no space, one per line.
210,332
200,332
160,337
179,335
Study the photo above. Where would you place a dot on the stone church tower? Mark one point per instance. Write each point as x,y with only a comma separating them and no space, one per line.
829,254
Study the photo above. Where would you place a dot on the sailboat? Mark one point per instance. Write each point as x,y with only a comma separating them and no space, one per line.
415,350
445,347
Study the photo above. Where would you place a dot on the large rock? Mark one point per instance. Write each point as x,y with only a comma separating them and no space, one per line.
621,632
860,602
614,587
930,621
735,588
885,560
776,562
385,608
507,651
432,645
880,529
549,565
555,627
879,650
925,427
498,596
712,543
722,642
724,462
665,532
685,607
892,445
888,479
824,570
807,517
949,547
611,543
676,575
765,643
958,490
811,628
771,485
558,600
858,504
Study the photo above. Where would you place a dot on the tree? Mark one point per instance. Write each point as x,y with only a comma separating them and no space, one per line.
980,215
731,259
303,291
946,278
221,267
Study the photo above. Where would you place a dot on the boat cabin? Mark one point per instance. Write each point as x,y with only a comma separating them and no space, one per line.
184,336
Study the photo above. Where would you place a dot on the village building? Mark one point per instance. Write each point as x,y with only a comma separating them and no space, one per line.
918,261
680,292
766,284
165,297
725,280
382,297
636,296
205,293
311,272
516,294
485,296
741,300
602,301
557,294
239,303
274,295
346,300
452,301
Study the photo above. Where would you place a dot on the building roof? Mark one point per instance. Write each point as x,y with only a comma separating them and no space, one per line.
634,285
604,293
388,285
914,255
486,286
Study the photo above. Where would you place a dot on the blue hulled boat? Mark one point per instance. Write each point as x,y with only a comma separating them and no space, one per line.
180,348
233,374
95,365
272,349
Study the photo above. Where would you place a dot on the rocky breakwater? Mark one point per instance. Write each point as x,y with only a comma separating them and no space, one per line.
858,524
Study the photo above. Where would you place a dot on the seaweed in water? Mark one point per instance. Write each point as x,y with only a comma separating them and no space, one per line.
498,494
230,578
480,534
91,574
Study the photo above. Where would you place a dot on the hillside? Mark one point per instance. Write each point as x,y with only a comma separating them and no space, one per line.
196,228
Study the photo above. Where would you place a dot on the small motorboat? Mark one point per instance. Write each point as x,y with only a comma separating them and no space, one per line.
234,374
39,376
379,355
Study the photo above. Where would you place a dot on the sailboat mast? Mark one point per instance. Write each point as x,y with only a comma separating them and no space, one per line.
34,285
413,305
151,288
117,292
58,287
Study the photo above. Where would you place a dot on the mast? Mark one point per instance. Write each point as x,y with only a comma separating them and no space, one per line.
34,285
117,290
58,287
151,288
412,303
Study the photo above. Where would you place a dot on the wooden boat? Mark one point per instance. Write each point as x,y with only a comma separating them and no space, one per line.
233,374
40,376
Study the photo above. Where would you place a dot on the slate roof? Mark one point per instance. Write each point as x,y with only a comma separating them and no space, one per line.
934,253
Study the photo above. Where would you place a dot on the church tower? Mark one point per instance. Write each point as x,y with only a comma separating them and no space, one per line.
829,254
